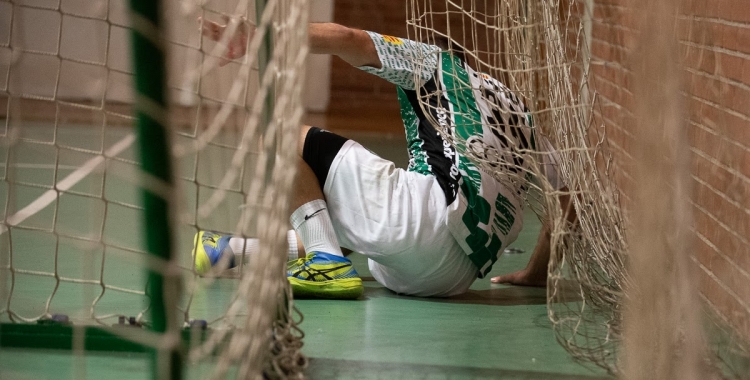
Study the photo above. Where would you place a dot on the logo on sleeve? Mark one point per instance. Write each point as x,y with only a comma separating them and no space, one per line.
393,40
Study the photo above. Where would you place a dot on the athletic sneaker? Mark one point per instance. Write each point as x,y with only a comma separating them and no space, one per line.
212,250
323,275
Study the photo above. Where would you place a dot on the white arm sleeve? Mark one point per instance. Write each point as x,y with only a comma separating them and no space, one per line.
406,63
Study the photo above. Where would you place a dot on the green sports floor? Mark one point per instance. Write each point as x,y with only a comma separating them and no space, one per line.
491,332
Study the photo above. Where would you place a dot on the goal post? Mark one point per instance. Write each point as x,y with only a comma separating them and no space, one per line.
87,263
163,281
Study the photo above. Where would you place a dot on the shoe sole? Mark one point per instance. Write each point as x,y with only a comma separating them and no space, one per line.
347,288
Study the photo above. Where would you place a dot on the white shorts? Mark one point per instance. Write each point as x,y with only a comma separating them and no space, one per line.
397,219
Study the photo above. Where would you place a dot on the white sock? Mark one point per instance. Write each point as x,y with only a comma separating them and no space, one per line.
313,225
242,246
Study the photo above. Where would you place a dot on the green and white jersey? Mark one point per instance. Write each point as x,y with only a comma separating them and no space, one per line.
442,99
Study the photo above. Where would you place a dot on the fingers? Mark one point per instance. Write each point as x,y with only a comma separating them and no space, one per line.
521,279
236,46
501,280
510,278
211,29
229,55
242,27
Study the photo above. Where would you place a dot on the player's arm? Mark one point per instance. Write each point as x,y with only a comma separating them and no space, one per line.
236,43
535,273
352,45
397,60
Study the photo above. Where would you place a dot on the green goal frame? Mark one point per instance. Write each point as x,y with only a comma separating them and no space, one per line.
151,108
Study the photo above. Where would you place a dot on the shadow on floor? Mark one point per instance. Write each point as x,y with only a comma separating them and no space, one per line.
505,296
355,369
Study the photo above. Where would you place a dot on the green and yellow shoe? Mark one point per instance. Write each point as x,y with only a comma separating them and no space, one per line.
323,275
211,250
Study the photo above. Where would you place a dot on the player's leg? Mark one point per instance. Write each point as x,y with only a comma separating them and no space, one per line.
249,246
310,218
219,252
398,220
324,272
215,253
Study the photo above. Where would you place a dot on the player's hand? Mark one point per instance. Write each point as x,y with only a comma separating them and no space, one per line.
237,44
522,277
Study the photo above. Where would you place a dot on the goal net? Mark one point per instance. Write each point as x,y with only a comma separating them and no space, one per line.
636,99
73,239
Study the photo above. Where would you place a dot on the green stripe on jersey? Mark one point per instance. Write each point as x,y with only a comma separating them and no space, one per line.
485,246
417,155
465,113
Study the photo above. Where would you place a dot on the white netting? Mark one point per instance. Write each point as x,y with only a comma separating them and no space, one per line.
72,211
542,50
526,46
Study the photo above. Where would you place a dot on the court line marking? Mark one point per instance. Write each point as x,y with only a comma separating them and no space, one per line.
39,166
66,183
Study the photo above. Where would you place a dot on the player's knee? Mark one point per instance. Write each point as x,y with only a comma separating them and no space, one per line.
319,149
302,138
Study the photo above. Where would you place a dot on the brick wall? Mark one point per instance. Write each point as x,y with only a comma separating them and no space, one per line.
354,92
715,46
357,94
716,41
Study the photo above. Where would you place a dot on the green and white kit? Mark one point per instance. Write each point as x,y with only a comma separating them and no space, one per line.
484,119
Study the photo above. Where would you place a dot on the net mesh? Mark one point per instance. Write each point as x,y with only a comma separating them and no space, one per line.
72,214
575,64
527,46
